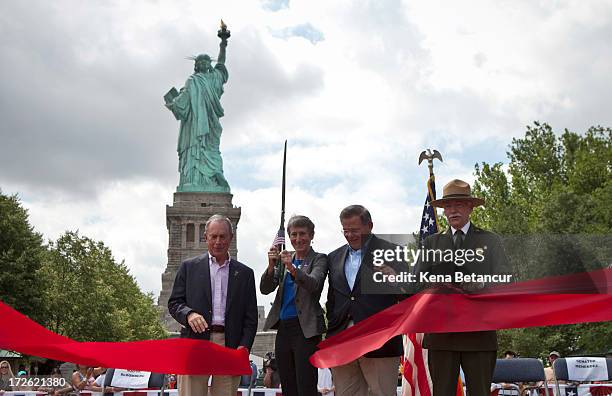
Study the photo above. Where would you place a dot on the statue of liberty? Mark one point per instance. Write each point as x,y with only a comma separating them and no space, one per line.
198,108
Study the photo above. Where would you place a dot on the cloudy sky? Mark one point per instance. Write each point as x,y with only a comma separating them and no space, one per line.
359,88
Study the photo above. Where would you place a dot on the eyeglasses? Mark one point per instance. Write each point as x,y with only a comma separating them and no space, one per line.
3,367
348,232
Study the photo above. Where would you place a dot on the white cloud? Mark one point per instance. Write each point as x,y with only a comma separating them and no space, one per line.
128,217
89,146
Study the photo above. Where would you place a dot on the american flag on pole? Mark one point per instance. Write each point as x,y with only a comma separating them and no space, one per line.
416,380
429,220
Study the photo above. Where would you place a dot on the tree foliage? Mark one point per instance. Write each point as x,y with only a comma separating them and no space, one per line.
553,187
552,184
73,286
91,297
21,252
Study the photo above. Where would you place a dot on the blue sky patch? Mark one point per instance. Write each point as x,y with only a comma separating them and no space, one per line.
304,30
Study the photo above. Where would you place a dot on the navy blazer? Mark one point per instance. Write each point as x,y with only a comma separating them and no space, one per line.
192,293
344,304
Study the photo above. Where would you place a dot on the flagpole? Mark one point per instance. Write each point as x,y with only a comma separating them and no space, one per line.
430,155
429,221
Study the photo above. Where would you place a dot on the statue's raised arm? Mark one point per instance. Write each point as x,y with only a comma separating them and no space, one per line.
223,34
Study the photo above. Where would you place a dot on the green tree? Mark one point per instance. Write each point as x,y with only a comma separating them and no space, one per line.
21,251
91,297
554,186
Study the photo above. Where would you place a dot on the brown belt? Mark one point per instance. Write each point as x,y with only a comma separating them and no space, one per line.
217,329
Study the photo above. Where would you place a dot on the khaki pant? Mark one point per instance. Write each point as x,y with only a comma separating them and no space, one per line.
197,385
378,375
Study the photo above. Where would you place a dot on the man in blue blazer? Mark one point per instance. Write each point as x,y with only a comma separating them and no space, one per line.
214,299
348,303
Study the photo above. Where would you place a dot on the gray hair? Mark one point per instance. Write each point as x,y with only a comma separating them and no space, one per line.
300,221
356,210
218,217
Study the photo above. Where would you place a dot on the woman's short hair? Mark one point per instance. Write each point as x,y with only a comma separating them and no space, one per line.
300,221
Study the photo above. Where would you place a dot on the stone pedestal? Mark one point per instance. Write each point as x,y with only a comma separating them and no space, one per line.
264,343
185,221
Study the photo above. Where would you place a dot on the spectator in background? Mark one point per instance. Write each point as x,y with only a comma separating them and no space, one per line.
249,380
172,381
22,371
56,390
271,375
254,374
67,368
99,382
6,374
549,371
515,385
83,379
325,385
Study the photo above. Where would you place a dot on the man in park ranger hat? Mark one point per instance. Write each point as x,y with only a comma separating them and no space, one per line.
457,190
474,351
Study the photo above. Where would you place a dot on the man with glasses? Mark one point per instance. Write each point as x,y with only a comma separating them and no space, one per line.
350,266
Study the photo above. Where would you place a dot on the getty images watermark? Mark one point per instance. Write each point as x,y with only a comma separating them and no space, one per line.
394,271
397,265
409,257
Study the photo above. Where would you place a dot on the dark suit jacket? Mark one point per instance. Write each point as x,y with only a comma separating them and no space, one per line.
495,262
309,281
344,304
192,293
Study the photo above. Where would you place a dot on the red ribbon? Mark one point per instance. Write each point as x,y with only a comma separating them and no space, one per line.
527,304
553,301
176,355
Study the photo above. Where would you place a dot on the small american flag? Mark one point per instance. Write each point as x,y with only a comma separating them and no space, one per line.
279,238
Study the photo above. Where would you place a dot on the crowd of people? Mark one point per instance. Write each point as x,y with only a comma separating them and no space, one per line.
214,298
83,378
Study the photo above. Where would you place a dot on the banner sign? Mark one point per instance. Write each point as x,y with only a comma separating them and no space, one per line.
587,369
130,379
